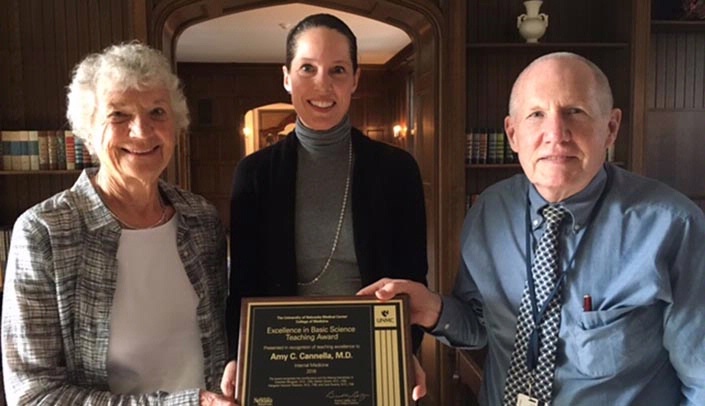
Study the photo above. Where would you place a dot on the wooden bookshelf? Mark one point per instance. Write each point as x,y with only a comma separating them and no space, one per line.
493,166
27,156
677,26
42,172
547,46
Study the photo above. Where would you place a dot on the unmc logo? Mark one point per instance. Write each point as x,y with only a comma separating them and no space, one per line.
385,316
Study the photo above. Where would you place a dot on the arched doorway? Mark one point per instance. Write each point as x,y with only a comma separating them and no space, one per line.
438,36
266,125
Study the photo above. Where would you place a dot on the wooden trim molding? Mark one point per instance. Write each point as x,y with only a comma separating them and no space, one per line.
139,19
641,32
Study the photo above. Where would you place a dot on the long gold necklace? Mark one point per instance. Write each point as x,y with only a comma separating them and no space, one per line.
340,221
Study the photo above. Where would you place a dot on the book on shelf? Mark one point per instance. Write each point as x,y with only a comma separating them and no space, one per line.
78,146
491,147
87,160
484,140
498,144
25,161
70,152
53,152
14,147
43,143
475,146
60,150
468,148
2,154
33,150
509,155
6,153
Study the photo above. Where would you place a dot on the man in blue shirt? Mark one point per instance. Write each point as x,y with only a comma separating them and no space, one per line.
631,245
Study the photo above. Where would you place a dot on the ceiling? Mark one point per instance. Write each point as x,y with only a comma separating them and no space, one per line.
259,36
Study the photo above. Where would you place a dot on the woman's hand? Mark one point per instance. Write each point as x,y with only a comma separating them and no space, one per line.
425,306
227,383
419,390
213,399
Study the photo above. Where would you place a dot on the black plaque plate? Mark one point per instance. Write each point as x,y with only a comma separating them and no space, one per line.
324,351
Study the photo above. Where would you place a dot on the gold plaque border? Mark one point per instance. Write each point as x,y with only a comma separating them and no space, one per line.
248,305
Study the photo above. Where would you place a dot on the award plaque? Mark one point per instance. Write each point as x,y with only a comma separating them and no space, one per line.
324,351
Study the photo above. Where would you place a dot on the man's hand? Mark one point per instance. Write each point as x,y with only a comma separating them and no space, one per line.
213,399
419,390
227,383
425,305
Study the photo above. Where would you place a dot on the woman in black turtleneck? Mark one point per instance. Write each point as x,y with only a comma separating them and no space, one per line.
327,210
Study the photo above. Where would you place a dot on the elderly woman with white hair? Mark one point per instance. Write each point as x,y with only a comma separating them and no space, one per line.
116,287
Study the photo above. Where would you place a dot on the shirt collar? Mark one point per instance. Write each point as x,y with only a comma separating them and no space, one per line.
98,215
579,205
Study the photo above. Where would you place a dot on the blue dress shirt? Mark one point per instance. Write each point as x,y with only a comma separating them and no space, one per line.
642,262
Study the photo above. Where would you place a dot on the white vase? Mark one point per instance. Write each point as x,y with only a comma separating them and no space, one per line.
532,25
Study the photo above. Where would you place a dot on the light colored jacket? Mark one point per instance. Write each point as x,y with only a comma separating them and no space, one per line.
61,279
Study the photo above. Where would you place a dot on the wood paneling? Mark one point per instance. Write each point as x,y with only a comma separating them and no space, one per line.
40,42
399,83
20,192
451,175
639,45
372,107
425,147
569,21
215,142
677,71
676,118
675,150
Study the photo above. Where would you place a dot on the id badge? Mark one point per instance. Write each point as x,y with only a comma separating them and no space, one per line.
525,400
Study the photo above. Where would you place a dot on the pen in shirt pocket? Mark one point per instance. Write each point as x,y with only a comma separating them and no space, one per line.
587,303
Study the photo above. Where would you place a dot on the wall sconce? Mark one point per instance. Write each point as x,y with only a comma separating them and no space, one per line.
247,131
399,131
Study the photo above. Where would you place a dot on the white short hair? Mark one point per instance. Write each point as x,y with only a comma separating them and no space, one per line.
121,67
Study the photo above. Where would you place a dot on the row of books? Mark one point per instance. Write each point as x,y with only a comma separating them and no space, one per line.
5,234
488,146
42,150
